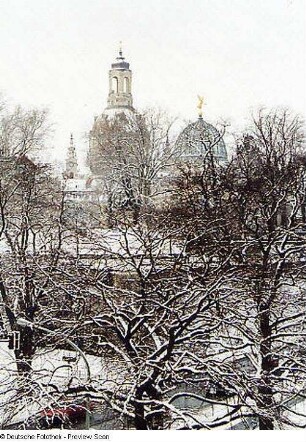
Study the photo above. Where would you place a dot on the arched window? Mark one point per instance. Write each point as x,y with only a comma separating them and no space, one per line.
126,85
115,84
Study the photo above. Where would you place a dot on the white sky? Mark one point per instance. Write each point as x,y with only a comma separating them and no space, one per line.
239,54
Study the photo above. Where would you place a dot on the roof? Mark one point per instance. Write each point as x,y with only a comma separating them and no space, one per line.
120,63
198,138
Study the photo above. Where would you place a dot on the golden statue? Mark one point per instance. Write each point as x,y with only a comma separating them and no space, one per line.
200,105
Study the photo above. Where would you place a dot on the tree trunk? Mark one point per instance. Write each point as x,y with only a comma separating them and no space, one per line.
265,391
140,421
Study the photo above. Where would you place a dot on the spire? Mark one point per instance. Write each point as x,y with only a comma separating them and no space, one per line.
120,63
71,160
120,50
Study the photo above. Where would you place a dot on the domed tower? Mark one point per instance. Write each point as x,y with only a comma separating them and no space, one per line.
120,84
199,138
119,108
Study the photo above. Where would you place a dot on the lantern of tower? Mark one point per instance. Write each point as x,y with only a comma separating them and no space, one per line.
120,84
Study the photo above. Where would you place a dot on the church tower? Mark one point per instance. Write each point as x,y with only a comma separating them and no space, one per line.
119,108
120,84
71,170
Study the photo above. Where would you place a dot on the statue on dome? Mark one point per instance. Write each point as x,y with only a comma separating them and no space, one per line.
200,105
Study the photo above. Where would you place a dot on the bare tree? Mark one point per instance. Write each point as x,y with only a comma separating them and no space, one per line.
268,191
22,131
31,208
129,153
256,206
200,298
154,313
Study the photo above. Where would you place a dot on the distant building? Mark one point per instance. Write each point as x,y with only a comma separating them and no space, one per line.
110,179
71,170
119,106
197,139
76,187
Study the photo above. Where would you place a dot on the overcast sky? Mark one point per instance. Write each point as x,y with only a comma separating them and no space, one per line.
239,54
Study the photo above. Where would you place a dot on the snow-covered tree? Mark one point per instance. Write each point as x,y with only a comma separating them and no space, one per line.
128,153
256,206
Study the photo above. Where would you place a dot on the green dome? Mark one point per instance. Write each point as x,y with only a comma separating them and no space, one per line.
197,138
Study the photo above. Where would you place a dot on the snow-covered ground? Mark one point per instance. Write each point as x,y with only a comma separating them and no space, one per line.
53,371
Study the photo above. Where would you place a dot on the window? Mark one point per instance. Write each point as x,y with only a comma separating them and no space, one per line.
126,86
115,84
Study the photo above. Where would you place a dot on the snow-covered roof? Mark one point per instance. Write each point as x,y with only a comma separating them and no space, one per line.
123,244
